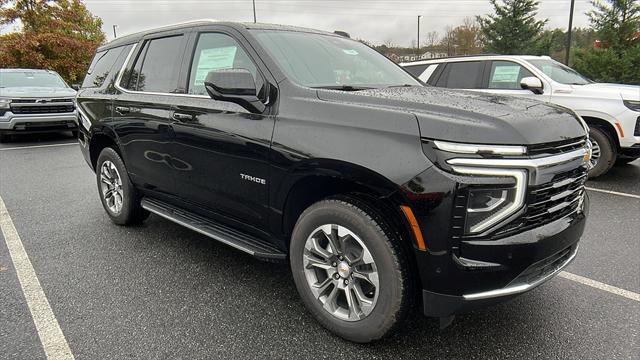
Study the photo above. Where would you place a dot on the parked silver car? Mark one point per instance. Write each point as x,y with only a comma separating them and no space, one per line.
34,101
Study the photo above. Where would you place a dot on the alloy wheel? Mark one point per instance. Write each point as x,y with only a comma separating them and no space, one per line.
341,272
595,153
111,187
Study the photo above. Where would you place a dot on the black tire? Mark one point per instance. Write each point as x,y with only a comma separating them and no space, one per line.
74,133
396,294
131,212
4,137
608,152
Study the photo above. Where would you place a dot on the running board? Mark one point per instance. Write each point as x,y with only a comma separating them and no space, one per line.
226,235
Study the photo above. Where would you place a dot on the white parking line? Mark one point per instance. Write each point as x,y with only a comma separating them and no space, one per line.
53,341
613,192
36,146
601,286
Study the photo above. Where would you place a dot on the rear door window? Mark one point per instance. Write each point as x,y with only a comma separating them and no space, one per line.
462,75
157,66
507,75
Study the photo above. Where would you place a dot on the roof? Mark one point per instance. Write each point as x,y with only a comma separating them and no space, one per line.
135,37
473,57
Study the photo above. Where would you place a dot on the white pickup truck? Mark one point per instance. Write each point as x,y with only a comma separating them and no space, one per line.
35,101
612,111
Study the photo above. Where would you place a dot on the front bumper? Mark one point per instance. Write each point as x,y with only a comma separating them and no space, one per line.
632,152
18,124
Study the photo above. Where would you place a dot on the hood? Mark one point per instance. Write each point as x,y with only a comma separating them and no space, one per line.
36,92
608,91
470,117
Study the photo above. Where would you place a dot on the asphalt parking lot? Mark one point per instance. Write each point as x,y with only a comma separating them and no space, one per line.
162,291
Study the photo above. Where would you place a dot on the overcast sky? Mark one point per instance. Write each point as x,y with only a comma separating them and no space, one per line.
376,21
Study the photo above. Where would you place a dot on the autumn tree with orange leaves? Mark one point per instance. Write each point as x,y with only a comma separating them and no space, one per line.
60,35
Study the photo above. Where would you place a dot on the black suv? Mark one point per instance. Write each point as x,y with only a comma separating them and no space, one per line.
300,145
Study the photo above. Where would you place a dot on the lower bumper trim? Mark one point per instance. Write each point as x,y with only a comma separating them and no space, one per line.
517,289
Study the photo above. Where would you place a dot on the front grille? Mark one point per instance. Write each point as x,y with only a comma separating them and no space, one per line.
42,106
42,109
637,130
554,200
556,147
543,268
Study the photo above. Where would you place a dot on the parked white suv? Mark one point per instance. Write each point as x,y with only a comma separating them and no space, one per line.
612,111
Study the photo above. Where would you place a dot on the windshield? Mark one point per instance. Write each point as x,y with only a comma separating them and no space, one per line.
325,61
31,79
559,72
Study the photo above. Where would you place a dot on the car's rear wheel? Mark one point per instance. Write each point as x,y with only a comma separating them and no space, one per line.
117,194
604,152
350,269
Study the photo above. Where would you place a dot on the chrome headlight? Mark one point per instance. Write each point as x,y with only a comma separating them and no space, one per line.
5,103
632,105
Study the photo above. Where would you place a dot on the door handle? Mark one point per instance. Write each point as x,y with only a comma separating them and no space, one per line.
123,110
182,117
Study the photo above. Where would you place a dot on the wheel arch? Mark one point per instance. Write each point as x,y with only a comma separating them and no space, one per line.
605,126
331,178
100,140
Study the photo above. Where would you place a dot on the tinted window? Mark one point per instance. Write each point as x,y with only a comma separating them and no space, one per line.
159,71
100,67
507,75
416,70
131,76
215,52
462,75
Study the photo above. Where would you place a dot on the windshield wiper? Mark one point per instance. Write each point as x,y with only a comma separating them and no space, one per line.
397,86
343,87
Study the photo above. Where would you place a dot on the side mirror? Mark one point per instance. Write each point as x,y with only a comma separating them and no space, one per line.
531,83
76,87
236,86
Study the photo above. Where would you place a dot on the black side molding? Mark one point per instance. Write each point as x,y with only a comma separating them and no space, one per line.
234,238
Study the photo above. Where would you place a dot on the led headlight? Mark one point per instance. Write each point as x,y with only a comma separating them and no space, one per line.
632,105
487,206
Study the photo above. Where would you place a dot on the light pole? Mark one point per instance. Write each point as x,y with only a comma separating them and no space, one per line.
418,43
254,11
566,58
114,31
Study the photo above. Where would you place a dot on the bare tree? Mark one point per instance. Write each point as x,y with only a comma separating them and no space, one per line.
431,39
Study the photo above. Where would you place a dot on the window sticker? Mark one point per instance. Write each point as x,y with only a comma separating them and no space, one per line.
214,59
349,51
508,73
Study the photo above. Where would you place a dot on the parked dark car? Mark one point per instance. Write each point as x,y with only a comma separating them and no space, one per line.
304,146
35,101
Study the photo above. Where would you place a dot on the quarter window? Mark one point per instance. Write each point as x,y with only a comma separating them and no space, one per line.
101,67
507,75
216,51
156,69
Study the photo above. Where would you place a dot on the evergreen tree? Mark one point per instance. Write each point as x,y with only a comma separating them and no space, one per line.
616,23
513,29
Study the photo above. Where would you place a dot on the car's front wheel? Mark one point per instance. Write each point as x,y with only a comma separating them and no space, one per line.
117,194
604,152
350,269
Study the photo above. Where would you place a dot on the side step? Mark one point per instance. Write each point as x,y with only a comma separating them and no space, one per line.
234,238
